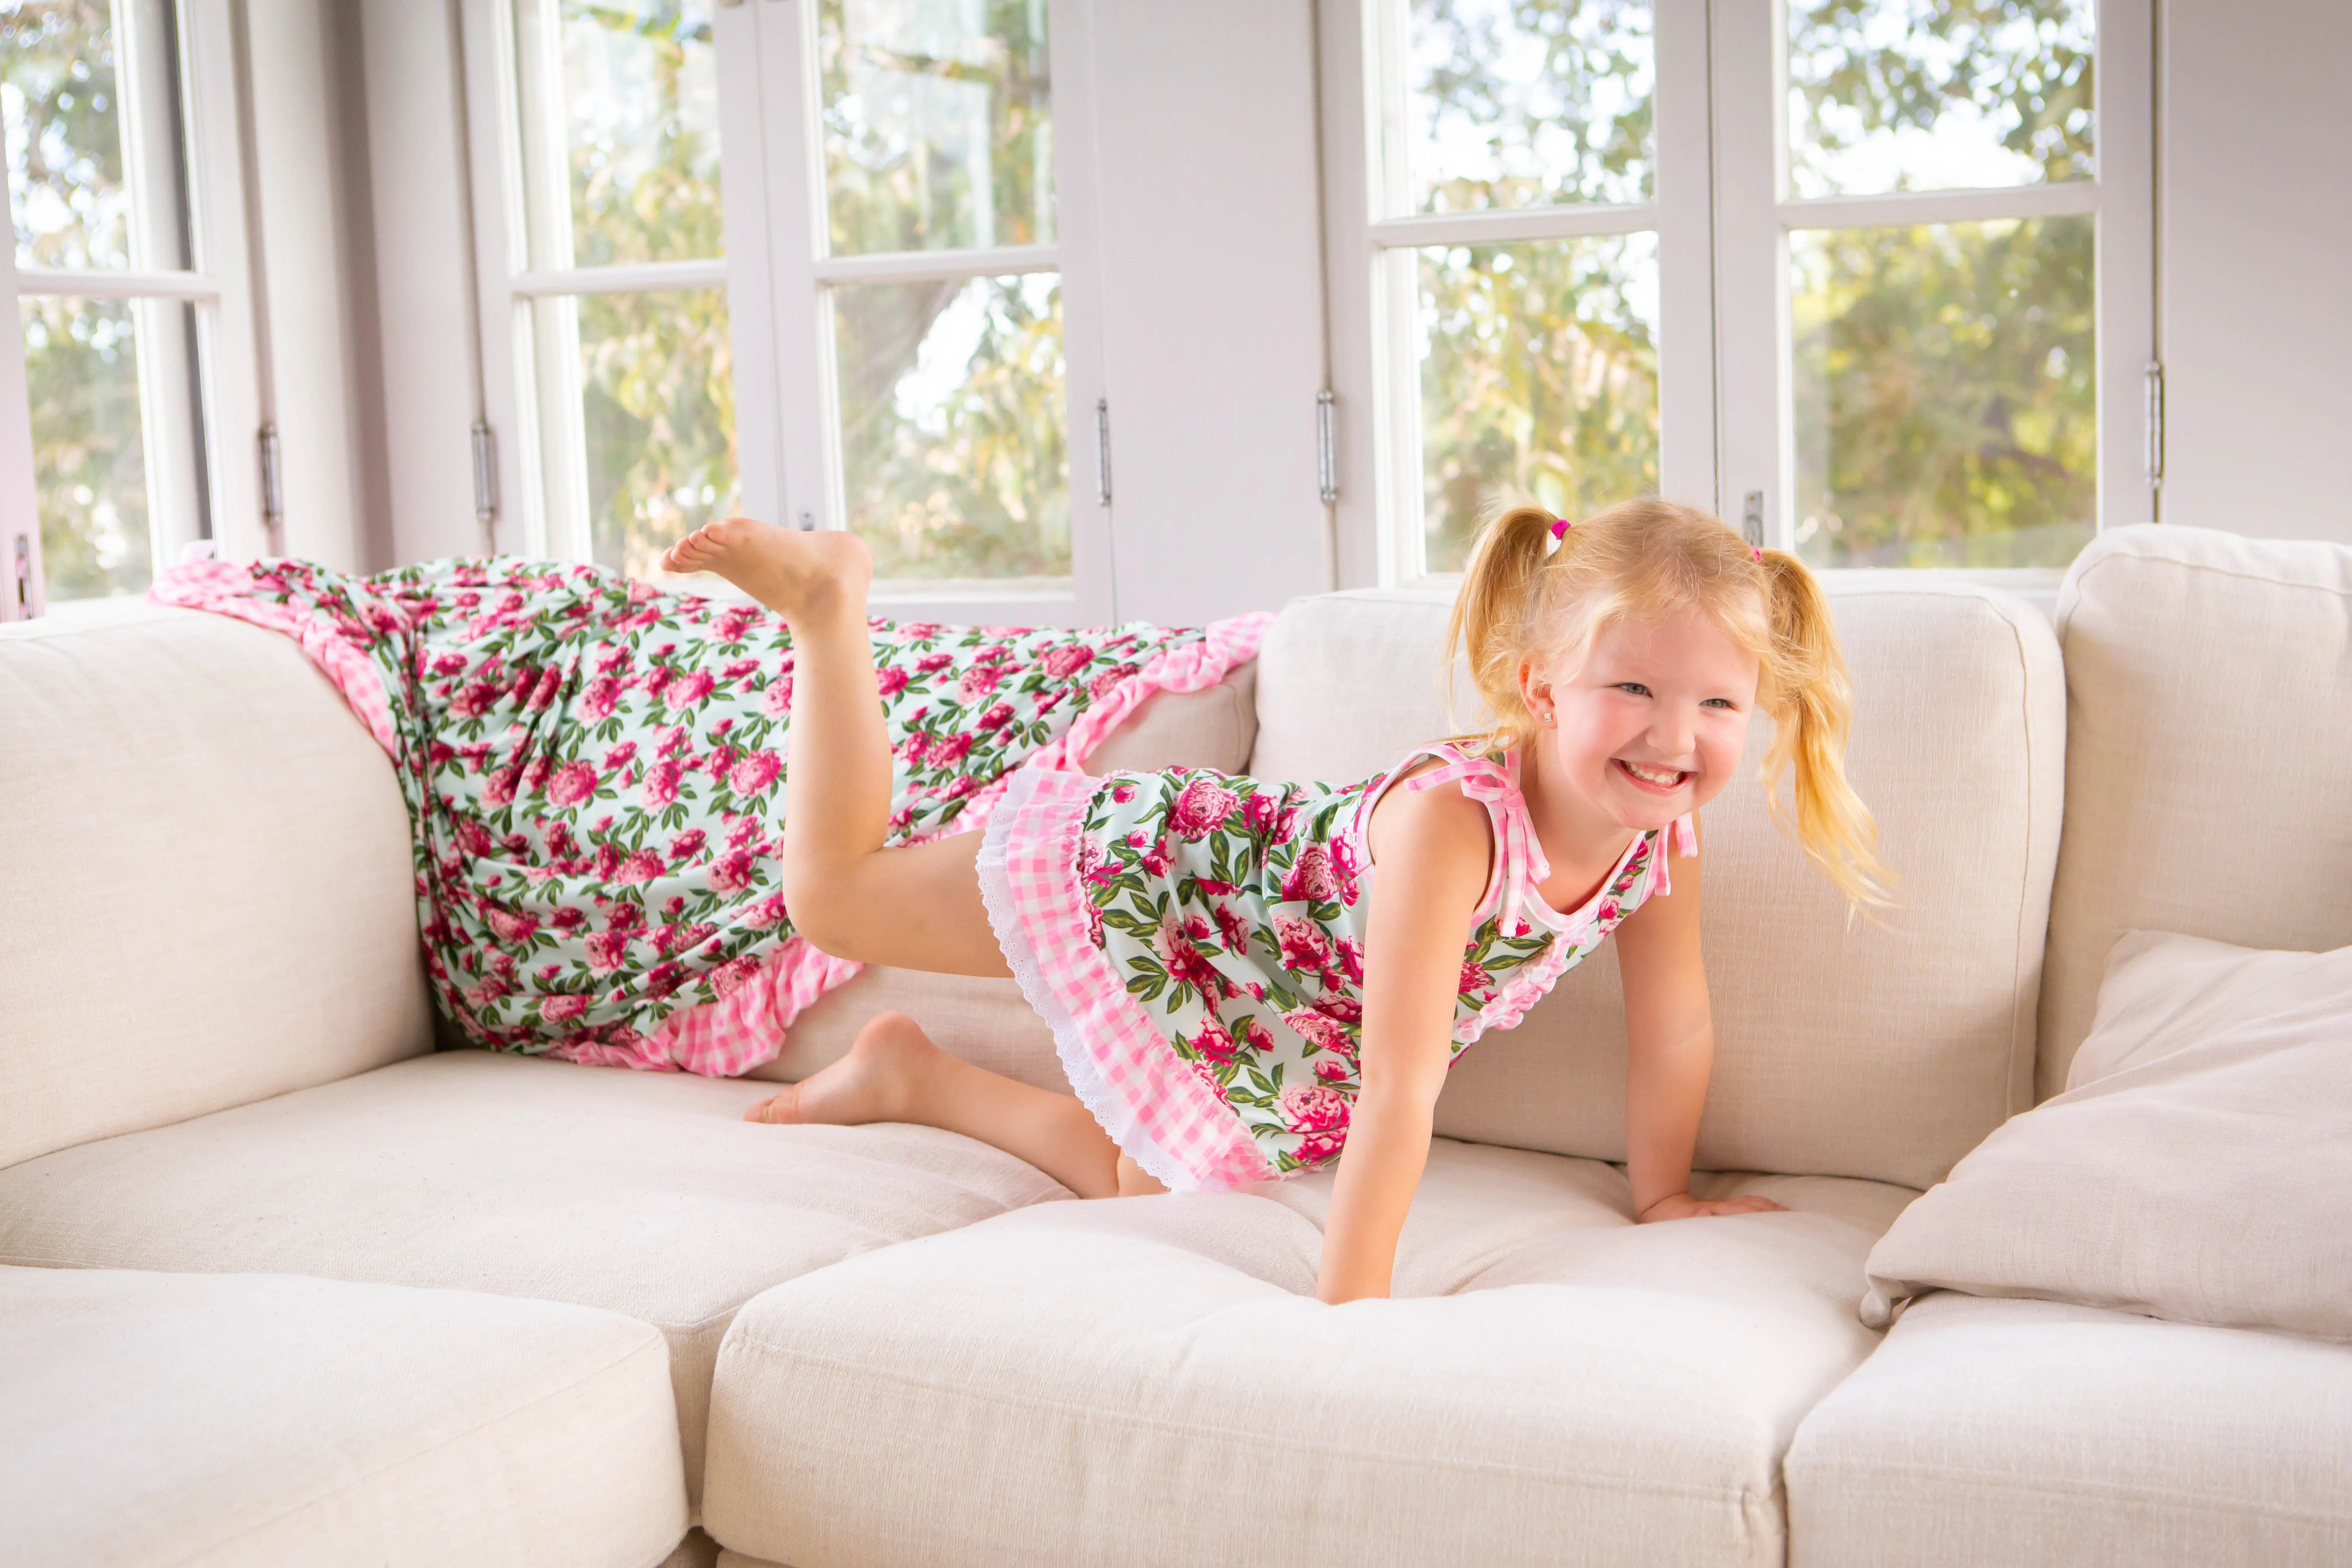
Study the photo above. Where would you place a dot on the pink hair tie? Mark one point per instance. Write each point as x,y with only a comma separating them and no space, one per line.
1559,527
1759,553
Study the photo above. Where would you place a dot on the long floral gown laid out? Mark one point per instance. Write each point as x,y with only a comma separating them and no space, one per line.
595,772
1196,942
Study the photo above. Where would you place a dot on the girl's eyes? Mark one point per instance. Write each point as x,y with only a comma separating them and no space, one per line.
1635,688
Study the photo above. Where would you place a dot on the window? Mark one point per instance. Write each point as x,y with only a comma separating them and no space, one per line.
616,277
128,285
1941,208
1516,227
1871,279
796,260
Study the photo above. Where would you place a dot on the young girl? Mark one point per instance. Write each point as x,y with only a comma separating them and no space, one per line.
1241,978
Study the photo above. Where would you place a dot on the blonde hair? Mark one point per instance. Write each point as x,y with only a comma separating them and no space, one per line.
1522,599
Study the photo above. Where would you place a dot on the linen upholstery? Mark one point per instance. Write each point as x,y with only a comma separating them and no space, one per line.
260,1420
640,1192
205,891
2198,1168
2042,1434
1212,727
1150,1380
1884,1047
2209,700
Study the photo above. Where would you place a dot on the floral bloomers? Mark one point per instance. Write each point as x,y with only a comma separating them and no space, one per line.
1196,940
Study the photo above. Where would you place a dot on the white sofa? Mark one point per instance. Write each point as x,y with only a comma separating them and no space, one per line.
893,1345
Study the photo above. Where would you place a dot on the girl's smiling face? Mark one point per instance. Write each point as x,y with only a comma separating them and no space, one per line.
1652,723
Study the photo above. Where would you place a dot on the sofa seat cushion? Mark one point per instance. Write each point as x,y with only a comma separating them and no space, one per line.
258,1420
642,1192
2033,1432
1151,1380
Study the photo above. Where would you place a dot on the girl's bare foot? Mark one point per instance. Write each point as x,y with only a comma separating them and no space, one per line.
795,575
875,1082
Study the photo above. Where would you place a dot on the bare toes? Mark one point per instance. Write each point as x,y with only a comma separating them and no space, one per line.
776,1110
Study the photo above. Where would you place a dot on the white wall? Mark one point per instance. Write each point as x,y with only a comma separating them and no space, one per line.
1212,293
2254,230
312,198
422,276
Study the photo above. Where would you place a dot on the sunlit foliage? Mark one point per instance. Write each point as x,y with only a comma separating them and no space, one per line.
62,111
656,371
937,135
1944,377
1538,361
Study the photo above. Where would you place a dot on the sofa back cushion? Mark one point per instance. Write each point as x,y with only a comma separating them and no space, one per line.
2209,755
205,890
1881,1047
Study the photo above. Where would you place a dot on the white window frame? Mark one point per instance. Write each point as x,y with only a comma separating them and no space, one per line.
544,516
227,372
1755,214
1722,213
1373,246
777,274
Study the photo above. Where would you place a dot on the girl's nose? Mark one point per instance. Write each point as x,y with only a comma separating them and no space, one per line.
1673,732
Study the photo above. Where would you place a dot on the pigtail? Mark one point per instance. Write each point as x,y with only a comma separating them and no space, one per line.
1814,703
1491,613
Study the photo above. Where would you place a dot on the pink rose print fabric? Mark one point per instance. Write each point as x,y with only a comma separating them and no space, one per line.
595,770
1197,943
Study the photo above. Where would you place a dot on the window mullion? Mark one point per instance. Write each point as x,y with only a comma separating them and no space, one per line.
760,480
1751,305
493,154
227,341
809,486
1077,226
1685,224
2125,115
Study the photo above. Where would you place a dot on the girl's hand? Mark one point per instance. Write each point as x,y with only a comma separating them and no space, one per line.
1682,1205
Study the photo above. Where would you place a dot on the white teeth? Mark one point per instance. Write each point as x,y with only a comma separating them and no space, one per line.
1648,775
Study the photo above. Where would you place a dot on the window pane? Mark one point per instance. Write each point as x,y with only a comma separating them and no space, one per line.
1539,378
631,89
951,426
82,371
1945,405
58,97
1924,95
656,410
1522,104
938,123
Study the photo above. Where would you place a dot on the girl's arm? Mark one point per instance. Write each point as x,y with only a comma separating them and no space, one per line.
1669,1051
1433,849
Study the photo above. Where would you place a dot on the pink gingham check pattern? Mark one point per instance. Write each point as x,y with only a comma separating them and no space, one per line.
1150,1101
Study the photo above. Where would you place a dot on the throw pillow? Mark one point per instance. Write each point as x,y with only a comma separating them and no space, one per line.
2199,1166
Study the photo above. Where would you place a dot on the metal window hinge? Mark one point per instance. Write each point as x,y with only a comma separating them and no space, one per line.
486,484
273,494
1327,445
1751,518
2153,387
1102,451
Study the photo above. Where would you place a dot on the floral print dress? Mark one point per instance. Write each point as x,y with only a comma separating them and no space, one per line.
1196,941
595,775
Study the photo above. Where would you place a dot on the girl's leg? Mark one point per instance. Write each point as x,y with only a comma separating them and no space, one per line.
893,1073
917,906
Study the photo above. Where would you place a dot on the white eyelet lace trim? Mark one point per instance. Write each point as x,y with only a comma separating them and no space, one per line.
996,893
